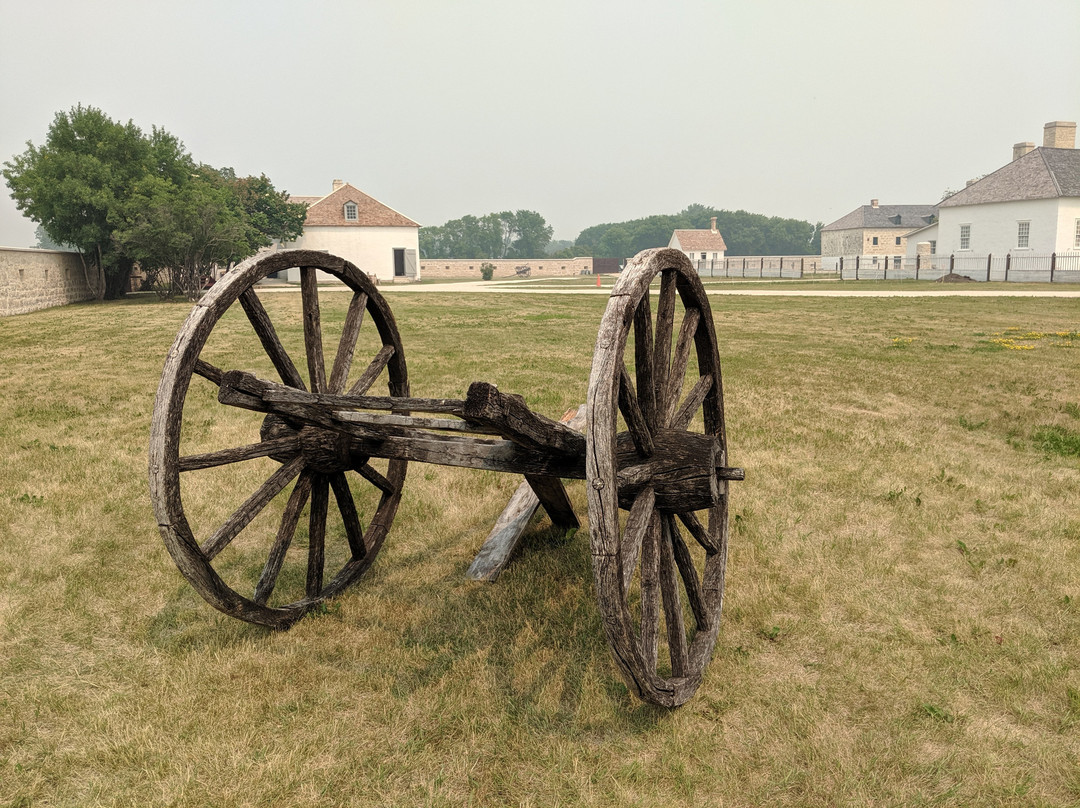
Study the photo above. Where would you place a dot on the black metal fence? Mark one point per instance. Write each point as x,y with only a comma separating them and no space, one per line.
1020,268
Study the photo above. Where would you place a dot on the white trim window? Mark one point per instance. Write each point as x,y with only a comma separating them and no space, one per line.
1023,235
351,212
1076,235
965,237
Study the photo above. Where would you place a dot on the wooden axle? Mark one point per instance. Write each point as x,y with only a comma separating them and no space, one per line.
683,468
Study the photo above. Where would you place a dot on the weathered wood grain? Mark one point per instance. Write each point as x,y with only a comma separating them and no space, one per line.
350,332
495,553
512,418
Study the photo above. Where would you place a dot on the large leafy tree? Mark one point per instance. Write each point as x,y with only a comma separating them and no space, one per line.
78,186
121,197
507,234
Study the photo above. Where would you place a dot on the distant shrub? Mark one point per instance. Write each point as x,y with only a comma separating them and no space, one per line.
487,271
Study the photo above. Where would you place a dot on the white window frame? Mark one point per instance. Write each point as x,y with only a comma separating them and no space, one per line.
351,207
1076,236
1023,235
965,237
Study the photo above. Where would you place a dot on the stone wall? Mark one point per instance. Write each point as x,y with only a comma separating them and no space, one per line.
470,267
39,279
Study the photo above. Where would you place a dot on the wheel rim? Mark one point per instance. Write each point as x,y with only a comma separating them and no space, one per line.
658,562
253,549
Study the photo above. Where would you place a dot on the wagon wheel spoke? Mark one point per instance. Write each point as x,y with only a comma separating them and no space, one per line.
297,500
692,403
354,531
278,446
634,534
317,535
643,361
208,371
371,373
665,324
677,373
688,573
260,321
650,593
372,475
347,345
251,508
703,535
635,419
313,347
673,615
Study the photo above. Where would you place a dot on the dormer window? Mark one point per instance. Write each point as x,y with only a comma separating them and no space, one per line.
351,212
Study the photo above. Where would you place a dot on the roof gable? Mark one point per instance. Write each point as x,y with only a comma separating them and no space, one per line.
700,240
330,210
1042,173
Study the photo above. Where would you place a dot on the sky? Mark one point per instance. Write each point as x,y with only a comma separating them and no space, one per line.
587,111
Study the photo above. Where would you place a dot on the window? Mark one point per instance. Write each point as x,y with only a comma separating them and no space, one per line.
350,212
933,248
1023,230
703,256
898,241
875,241
965,237
1076,238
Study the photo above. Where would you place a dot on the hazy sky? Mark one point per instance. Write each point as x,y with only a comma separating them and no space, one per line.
587,112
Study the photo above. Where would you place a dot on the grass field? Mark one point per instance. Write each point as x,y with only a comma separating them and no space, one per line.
902,615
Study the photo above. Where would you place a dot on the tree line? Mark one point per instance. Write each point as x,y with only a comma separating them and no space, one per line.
509,234
121,197
526,234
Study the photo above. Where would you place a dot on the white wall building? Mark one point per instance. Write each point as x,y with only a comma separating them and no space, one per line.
1030,206
350,224
699,245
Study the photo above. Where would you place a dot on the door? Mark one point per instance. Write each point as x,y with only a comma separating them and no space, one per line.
399,262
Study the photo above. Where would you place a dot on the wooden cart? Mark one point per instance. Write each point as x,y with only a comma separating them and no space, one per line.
654,456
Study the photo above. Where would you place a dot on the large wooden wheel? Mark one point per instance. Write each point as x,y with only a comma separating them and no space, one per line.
230,487
657,503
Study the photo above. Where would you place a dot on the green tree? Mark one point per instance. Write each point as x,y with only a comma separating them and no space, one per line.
78,186
520,234
186,228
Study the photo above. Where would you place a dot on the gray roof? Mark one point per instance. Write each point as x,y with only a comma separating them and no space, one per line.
1042,173
884,217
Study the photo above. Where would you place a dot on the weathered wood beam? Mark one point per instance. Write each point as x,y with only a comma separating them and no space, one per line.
514,520
512,418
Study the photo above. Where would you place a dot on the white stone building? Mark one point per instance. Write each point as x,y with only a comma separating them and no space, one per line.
350,224
1029,207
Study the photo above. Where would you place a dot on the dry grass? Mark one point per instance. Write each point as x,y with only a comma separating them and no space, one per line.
903,601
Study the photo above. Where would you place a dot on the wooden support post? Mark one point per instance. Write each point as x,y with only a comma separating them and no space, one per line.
1008,265
1053,265
989,258
511,524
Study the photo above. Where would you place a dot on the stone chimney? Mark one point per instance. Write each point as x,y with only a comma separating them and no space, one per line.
1060,135
1020,149
338,185
712,226
873,203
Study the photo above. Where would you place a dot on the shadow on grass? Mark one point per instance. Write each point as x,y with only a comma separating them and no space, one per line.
539,634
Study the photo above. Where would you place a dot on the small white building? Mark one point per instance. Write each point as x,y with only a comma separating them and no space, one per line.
1030,206
699,245
350,224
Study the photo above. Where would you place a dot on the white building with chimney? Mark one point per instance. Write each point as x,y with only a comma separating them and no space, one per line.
699,245
350,224
1029,207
